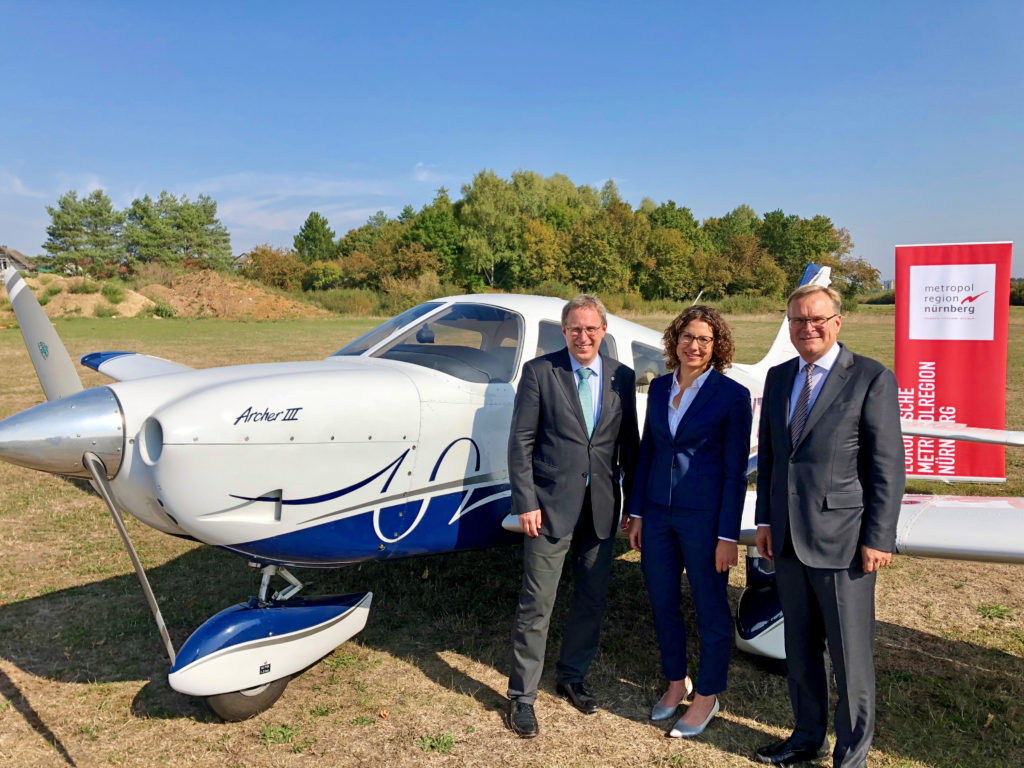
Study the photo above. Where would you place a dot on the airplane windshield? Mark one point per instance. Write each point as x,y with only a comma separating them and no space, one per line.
473,342
381,332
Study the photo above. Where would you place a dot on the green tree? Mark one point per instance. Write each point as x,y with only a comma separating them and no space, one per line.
277,267
176,231
436,229
490,212
315,240
86,234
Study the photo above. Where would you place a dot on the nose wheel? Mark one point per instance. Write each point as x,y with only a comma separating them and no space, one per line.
241,705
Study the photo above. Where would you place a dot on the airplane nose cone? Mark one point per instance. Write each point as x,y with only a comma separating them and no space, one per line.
52,436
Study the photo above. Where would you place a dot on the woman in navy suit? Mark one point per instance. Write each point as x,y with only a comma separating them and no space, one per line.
686,506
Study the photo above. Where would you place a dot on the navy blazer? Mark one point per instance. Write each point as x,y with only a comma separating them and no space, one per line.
703,466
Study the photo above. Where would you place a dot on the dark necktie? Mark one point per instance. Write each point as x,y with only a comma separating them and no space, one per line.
799,420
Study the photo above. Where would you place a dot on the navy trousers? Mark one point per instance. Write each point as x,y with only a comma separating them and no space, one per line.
674,538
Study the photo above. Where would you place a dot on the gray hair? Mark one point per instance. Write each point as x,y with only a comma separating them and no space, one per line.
807,290
584,301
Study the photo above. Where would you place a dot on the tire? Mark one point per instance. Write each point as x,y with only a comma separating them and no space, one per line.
241,705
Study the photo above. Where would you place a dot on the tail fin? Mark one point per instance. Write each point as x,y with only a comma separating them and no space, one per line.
782,348
51,360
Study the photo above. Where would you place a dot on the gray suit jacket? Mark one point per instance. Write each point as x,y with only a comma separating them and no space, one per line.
550,454
842,484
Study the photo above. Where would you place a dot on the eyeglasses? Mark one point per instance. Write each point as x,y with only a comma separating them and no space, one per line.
702,341
817,322
590,330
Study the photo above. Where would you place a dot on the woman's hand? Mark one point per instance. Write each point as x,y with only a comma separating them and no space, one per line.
633,529
727,554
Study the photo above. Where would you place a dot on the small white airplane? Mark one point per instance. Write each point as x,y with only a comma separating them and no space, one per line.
394,446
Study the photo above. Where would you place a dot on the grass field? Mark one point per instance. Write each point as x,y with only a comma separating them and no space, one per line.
83,674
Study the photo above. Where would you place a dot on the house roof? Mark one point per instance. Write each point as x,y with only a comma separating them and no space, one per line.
14,258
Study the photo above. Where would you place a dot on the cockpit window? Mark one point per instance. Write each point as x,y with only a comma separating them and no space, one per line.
381,332
649,363
472,342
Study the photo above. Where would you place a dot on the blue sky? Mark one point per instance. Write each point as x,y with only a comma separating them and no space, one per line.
901,121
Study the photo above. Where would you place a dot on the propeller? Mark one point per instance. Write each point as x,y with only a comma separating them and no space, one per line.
51,360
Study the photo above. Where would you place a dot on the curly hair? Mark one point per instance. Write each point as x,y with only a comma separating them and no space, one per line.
722,349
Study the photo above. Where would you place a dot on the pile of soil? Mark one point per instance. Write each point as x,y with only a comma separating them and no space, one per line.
211,294
196,294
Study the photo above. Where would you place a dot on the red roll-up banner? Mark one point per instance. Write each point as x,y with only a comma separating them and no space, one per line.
952,319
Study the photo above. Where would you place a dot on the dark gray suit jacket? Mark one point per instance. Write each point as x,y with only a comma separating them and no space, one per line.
842,484
550,454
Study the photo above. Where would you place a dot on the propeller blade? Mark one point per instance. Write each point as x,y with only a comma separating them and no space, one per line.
51,360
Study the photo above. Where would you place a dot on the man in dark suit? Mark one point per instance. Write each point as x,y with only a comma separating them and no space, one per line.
573,436
830,481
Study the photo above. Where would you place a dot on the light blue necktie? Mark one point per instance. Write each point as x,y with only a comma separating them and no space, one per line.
586,399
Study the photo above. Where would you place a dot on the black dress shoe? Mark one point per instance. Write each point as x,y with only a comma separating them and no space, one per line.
578,696
784,753
521,720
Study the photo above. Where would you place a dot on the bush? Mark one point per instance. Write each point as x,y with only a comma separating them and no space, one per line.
153,273
889,297
113,292
44,300
53,290
163,309
276,267
103,309
45,279
556,289
1017,293
83,286
322,276
747,305
348,301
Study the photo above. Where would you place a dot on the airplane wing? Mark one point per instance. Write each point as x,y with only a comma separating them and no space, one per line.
945,430
982,528
124,366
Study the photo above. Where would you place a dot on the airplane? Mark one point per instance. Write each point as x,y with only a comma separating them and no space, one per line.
394,446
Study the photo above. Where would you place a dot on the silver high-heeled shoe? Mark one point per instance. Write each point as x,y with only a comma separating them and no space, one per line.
659,712
684,731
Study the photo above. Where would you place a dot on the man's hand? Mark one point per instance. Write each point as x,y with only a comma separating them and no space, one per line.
530,523
763,541
873,559
633,527
727,554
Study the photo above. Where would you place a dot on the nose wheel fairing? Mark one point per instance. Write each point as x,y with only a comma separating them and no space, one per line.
252,644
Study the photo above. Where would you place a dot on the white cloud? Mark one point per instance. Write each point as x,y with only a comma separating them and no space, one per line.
13,185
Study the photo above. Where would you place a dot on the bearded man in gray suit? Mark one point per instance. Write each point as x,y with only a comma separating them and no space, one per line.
830,481
573,439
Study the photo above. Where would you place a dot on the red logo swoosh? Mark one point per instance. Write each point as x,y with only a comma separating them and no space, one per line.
972,299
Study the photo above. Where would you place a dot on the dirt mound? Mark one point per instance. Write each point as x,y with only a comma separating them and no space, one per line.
210,294
54,293
196,294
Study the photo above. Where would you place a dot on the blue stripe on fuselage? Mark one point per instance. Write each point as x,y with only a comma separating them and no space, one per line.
402,532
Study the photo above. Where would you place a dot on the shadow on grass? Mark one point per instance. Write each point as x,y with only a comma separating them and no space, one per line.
934,694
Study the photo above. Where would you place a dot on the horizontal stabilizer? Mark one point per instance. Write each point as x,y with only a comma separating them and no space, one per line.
124,366
944,430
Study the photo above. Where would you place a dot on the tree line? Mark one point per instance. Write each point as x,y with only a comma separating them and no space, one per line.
89,236
525,233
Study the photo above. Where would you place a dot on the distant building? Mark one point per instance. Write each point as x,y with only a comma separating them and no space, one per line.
12,258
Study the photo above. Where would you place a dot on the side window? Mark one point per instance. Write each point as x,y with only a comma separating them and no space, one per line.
648,363
550,339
